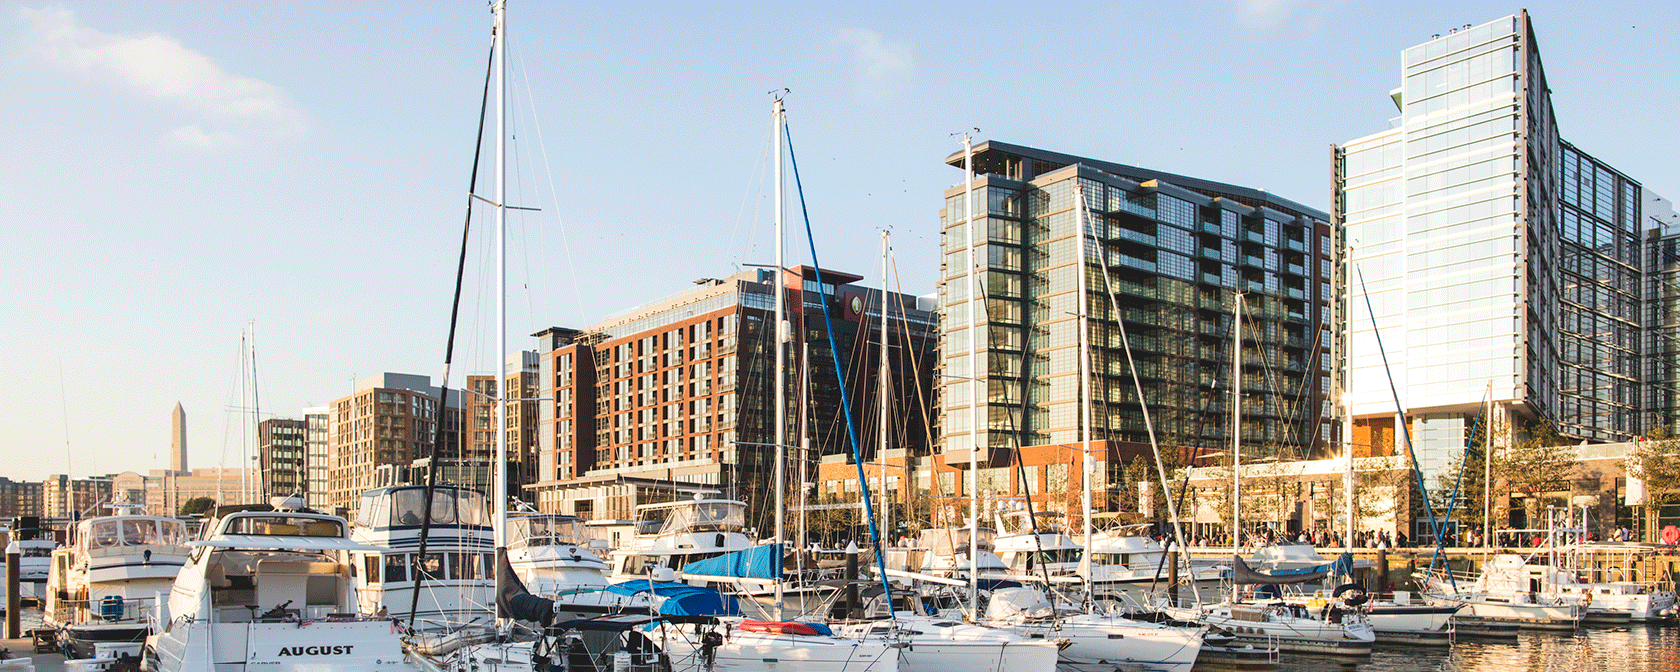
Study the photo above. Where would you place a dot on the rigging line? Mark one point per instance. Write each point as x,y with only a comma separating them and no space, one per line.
1137,382
449,349
747,196
840,375
1276,389
64,403
553,195
915,363
1405,427
524,244
1014,434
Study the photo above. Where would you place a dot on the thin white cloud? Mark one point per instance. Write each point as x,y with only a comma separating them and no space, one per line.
236,109
881,67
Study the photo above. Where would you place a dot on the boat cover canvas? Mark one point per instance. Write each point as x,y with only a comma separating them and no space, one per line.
680,599
1241,573
758,562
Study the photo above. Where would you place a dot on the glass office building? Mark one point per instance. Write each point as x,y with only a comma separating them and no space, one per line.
1177,250
1487,260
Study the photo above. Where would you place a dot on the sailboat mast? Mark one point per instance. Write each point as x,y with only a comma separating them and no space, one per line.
500,530
977,390
881,394
780,431
1086,463
1236,435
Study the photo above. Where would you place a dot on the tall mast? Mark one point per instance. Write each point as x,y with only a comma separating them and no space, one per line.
1086,463
1236,434
780,431
501,281
977,388
881,393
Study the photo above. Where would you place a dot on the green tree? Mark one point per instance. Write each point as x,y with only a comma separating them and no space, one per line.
1656,461
1473,508
1537,465
197,505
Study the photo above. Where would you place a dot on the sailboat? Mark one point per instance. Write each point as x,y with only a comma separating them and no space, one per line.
1271,621
666,635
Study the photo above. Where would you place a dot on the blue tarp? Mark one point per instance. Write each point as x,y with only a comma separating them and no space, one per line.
758,562
680,599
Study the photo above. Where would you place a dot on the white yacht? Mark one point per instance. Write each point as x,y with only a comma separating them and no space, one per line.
944,552
1034,551
934,643
454,576
269,588
553,553
35,548
673,534
106,586
1095,640
1504,593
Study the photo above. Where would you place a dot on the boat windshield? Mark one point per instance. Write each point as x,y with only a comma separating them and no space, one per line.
280,524
547,531
700,516
402,507
131,531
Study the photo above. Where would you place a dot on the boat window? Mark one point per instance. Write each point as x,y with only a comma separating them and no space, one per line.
283,525
465,565
402,507
650,521
174,533
443,508
104,534
32,552
470,508
396,567
139,532
372,561
429,566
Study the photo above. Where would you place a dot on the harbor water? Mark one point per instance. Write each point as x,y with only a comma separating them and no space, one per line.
1636,648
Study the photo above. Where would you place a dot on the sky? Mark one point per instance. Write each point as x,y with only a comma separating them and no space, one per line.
193,191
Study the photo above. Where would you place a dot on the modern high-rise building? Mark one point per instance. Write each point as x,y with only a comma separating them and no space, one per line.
1488,260
19,498
681,389
391,421
1178,251
1662,314
281,454
65,497
316,420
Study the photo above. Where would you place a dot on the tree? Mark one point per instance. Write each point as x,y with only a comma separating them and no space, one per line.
197,505
1469,472
1656,461
1537,465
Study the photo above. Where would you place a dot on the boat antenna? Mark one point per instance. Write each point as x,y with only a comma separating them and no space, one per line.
449,350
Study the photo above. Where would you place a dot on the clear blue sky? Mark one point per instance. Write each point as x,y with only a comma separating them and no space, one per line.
170,172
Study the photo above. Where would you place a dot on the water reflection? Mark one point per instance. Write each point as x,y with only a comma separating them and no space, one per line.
1638,648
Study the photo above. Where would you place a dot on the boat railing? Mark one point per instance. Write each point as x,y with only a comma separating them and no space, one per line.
137,549
107,608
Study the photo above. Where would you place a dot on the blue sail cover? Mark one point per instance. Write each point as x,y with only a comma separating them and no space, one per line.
680,599
758,562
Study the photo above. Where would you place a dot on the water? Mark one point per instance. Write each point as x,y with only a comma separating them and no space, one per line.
1637,648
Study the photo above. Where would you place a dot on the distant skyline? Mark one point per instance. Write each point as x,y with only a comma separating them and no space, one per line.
174,173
